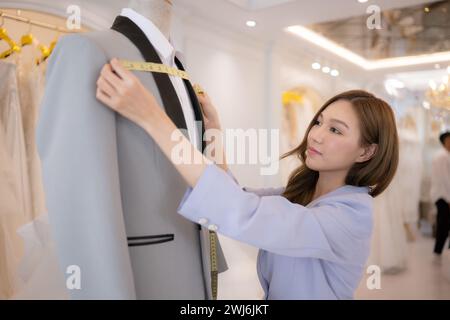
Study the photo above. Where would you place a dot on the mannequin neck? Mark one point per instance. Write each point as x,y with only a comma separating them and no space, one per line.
159,12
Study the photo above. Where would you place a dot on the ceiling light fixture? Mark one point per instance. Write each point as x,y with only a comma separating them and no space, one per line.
316,66
251,23
334,73
354,58
326,69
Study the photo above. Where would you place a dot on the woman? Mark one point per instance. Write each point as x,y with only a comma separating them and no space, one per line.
314,234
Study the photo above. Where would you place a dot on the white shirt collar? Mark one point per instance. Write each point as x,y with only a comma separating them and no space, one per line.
154,35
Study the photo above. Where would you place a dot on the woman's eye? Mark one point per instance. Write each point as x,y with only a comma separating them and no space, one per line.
316,122
334,130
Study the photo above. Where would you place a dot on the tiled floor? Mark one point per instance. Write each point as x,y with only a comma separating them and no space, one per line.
422,279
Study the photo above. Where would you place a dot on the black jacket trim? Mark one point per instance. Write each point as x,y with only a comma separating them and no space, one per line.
137,241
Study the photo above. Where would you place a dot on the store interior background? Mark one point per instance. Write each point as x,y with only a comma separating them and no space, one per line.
248,70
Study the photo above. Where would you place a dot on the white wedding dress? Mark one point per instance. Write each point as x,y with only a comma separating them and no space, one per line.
14,193
28,264
397,208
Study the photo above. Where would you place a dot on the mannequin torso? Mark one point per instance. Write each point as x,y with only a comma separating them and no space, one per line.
131,217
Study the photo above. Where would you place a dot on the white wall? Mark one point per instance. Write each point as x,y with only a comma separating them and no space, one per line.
231,69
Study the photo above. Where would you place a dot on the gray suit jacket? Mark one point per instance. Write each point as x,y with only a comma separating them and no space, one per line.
106,180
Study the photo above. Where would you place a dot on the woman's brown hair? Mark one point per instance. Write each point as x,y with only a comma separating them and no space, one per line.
377,125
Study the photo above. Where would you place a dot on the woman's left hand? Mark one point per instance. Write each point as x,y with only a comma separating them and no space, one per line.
121,90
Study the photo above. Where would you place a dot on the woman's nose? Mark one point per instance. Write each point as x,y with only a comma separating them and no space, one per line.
317,134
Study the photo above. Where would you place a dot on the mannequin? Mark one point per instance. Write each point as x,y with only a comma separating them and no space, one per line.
112,195
157,11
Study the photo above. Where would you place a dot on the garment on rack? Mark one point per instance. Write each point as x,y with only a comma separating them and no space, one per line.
25,245
15,200
38,259
31,81
410,161
389,246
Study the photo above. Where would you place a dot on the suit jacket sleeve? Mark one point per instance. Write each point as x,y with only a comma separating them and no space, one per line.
76,139
338,229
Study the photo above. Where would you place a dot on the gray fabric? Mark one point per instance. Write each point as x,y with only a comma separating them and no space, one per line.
106,180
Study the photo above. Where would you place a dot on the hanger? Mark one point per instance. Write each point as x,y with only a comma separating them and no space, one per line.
13,47
28,38
54,42
47,51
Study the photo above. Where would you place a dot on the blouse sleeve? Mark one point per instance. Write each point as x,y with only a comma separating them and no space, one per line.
258,191
337,229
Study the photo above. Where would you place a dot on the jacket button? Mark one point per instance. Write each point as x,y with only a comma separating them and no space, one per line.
203,221
213,227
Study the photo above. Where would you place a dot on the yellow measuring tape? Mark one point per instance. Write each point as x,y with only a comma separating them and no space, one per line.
161,68
154,67
214,267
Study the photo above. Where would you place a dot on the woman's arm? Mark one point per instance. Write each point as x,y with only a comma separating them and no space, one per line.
120,90
337,229
161,128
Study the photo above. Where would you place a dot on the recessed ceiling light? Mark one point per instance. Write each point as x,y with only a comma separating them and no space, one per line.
334,73
316,66
426,9
362,1
326,69
426,104
251,23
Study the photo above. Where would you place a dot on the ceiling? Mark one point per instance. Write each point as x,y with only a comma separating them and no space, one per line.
258,4
272,16
415,30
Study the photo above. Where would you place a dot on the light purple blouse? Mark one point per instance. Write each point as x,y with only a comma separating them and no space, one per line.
313,252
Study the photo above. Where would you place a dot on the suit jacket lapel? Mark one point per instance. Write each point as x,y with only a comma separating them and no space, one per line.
195,104
168,94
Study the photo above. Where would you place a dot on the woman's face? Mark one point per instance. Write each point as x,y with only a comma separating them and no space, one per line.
333,141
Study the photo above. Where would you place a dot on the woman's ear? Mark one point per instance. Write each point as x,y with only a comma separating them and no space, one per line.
368,152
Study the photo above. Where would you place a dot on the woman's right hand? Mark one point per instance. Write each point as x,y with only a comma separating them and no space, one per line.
210,115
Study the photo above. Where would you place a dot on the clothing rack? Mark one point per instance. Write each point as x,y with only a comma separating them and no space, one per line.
4,15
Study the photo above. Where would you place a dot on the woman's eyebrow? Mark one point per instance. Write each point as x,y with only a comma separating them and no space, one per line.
335,120
340,121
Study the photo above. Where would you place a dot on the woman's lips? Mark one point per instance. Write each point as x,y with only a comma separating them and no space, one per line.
313,151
